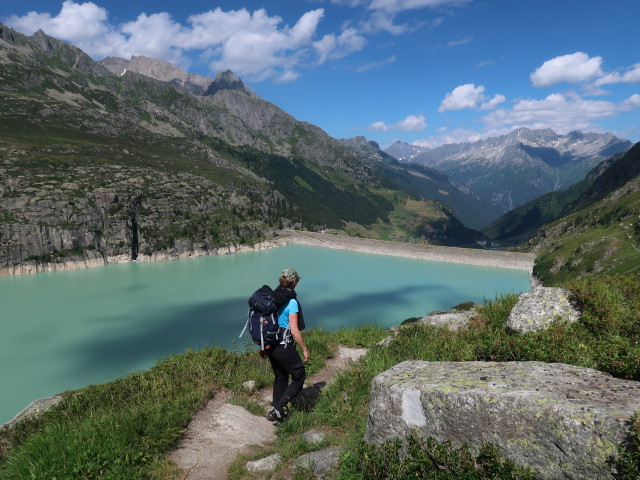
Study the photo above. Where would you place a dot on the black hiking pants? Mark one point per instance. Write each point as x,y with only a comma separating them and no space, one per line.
286,363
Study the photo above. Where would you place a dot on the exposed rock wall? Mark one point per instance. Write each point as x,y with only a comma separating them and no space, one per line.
92,258
562,421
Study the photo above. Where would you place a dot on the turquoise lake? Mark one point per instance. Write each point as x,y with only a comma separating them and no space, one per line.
65,330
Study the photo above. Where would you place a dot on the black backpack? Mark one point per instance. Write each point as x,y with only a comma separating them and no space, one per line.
262,319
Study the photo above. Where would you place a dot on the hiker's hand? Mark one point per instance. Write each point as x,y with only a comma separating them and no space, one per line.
305,352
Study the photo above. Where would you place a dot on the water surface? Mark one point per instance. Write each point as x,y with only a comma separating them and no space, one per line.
65,330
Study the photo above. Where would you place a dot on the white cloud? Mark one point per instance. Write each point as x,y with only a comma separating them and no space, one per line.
413,123
253,44
461,41
632,75
454,136
384,12
469,96
334,47
262,51
351,3
381,63
381,21
574,68
77,22
493,103
402,5
558,112
83,24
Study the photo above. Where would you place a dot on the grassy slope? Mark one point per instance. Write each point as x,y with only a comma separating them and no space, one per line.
604,238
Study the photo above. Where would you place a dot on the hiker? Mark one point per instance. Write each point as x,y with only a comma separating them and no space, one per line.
285,359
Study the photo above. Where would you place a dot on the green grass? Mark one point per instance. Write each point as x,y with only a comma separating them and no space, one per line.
424,458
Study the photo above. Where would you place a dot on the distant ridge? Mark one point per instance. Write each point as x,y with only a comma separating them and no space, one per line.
520,166
159,70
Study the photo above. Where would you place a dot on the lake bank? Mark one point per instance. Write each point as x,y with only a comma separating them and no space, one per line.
436,253
467,256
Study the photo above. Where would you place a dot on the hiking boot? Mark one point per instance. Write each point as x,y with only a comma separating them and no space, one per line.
275,415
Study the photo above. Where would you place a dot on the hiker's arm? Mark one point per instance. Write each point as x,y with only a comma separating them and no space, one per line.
297,335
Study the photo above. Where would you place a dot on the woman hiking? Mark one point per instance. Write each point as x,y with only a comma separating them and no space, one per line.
285,359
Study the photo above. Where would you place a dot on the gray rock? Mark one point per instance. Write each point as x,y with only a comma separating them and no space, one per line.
266,464
34,409
453,320
320,462
562,421
314,436
539,307
249,386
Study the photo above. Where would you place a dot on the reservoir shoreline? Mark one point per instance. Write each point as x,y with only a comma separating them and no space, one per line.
467,256
436,253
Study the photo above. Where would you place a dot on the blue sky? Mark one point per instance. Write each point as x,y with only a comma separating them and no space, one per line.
422,71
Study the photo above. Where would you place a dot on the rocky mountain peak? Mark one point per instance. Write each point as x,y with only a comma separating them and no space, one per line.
8,35
228,81
42,41
158,70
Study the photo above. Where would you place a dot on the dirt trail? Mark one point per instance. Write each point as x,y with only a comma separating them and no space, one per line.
220,431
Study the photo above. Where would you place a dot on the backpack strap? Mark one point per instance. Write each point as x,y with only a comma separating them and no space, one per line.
246,324
286,336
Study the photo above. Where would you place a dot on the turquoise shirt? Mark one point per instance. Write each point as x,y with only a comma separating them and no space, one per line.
285,310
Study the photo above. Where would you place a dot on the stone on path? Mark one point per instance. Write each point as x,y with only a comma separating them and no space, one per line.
538,308
319,462
266,464
216,435
562,421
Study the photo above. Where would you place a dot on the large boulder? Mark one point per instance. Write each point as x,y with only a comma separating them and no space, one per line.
538,308
562,421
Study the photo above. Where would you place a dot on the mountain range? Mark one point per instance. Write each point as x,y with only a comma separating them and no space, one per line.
122,159
512,169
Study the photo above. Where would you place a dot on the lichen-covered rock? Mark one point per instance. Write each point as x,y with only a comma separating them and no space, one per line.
453,320
538,308
562,421
319,462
